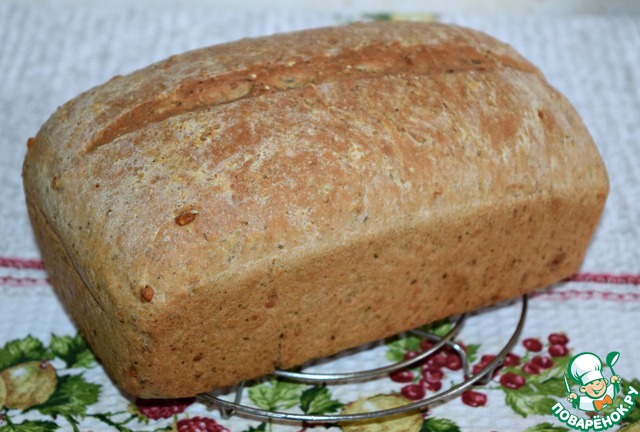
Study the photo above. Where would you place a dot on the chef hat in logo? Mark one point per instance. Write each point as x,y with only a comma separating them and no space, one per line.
585,368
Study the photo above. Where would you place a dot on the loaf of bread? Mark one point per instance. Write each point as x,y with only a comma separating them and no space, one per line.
257,204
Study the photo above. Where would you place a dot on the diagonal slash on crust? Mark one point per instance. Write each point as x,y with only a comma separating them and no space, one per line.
376,60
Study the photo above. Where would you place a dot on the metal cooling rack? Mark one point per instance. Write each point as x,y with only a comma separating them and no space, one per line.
229,408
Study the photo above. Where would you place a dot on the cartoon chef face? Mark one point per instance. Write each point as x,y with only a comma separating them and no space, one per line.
595,389
586,369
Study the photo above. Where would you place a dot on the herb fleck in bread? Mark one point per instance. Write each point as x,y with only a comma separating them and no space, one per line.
260,203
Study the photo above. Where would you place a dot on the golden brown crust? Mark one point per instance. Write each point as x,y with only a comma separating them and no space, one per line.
376,59
436,174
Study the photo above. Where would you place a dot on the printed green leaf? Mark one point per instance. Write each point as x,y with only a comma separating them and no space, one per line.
398,348
526,403
472,352
634,414
317,400
261,428
433,424
106,418
549,382
120,426
72,397
546,427
73,422
551,387
22,350
73,350
30,426
559,368
635,383
439,328
275,395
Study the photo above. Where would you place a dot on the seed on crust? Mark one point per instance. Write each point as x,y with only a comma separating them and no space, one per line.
147,293
185,218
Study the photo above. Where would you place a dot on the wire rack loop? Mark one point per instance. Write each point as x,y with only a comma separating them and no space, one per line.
228,408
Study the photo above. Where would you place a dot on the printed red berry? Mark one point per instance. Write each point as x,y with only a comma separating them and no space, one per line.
438,359
433,376
543,362
433,386
558,350
401,376
430,368
512,381
484,362
531,368
453,362
477,368
487,358
474,398
156,409
532,344
200,424
558,339
511,360
426,345
413,392
448,349
409,355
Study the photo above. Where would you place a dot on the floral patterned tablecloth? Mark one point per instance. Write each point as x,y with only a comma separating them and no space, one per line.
49,379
